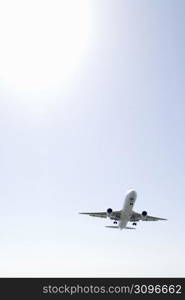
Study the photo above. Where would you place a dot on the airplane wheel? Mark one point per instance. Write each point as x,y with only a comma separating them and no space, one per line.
134,224
115,222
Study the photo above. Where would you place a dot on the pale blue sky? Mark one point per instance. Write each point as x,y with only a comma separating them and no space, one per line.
118,123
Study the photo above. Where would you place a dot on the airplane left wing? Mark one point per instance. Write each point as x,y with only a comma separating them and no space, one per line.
150,218
136,216
95,214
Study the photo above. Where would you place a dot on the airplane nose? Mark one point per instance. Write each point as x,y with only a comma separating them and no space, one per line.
132,193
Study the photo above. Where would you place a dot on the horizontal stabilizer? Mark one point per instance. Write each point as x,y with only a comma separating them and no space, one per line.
129,228
112,227
118,227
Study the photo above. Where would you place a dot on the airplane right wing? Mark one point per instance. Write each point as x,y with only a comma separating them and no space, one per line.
95,214
115,215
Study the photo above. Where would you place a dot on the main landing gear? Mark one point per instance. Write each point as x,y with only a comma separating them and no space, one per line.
134,224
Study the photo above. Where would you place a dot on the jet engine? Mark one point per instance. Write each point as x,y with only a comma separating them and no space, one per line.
144,214
109,212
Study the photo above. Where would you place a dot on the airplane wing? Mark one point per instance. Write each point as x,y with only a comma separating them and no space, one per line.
150,218
136,216
115,214
95,214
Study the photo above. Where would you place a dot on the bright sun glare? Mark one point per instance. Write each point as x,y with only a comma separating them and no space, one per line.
42,41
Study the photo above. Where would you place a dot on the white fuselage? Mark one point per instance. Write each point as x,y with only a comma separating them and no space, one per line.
126,211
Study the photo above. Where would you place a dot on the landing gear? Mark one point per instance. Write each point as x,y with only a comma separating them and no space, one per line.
134,224
115,222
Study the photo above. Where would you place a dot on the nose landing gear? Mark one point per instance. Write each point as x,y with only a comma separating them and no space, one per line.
115,222
134,224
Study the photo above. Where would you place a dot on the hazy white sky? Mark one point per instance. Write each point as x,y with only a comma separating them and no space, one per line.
91,104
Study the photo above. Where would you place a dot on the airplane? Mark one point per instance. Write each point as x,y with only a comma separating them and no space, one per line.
122,217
